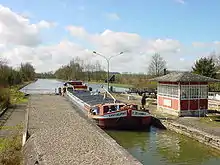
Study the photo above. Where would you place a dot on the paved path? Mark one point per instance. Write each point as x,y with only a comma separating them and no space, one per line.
61,136
12,120
195,123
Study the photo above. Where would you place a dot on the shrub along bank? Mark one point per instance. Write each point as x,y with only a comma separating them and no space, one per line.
11,81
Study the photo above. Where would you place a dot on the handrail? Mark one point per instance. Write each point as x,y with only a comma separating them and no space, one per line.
110,95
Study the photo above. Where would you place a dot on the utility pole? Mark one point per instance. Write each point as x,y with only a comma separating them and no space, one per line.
108,63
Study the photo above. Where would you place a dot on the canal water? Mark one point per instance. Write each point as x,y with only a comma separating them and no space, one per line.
42,86
115,89
163,147
153,147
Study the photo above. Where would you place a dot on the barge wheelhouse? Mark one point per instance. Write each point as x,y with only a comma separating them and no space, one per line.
77,85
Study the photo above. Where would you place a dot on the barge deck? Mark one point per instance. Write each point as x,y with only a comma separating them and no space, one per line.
110,113
89,99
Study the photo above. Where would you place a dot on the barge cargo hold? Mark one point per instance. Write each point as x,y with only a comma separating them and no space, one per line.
109,113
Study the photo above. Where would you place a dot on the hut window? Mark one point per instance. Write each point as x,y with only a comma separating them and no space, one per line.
204,91
169,90
193,91
175,91
184,91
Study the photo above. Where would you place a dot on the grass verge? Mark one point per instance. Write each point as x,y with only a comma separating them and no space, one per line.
10,150
211,120
17,97
10,147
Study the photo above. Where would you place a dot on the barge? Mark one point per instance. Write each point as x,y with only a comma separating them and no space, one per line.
107,112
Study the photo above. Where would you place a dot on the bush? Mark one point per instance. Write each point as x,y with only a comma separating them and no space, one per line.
4,97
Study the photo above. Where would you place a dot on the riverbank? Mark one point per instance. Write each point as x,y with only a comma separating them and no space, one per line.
11,126
192,127
59,134
13,96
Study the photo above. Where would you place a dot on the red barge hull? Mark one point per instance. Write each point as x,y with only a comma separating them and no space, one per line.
127,119
124,123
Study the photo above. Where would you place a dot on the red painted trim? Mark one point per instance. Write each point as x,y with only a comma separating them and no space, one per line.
193,83
163,82
184,83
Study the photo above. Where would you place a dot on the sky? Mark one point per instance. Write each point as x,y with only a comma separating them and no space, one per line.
48,34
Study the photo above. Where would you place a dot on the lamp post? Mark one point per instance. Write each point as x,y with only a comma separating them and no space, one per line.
108,62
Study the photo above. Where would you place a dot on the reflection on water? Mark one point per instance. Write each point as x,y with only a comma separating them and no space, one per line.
165,148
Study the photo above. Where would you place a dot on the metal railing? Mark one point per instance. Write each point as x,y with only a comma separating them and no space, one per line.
110,95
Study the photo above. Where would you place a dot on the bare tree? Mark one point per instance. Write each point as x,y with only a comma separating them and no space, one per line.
157,65
27,71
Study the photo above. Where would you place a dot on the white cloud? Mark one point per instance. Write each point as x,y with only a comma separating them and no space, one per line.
21,41
138,50
136,57
77,31
199,44
17,30
46,58
181,1
113,16
45,24
212,46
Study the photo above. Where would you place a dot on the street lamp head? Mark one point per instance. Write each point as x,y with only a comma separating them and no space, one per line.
94,52
121,52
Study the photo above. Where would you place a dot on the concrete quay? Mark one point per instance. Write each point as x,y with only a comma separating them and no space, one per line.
189,126
60,135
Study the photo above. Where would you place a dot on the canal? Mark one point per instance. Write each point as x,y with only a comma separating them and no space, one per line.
153,147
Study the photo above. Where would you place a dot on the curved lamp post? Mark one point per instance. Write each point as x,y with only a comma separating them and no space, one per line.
108,61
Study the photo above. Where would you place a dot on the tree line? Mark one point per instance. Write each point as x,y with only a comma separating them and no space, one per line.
77,69
10,76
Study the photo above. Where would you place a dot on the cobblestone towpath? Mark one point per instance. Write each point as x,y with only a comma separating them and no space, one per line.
60,135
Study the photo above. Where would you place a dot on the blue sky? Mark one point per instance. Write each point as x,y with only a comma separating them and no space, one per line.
185,21
193,21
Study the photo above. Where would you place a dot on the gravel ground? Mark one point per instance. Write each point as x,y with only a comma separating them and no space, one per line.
61,136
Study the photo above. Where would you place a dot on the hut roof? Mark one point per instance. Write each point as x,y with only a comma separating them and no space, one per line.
184,77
